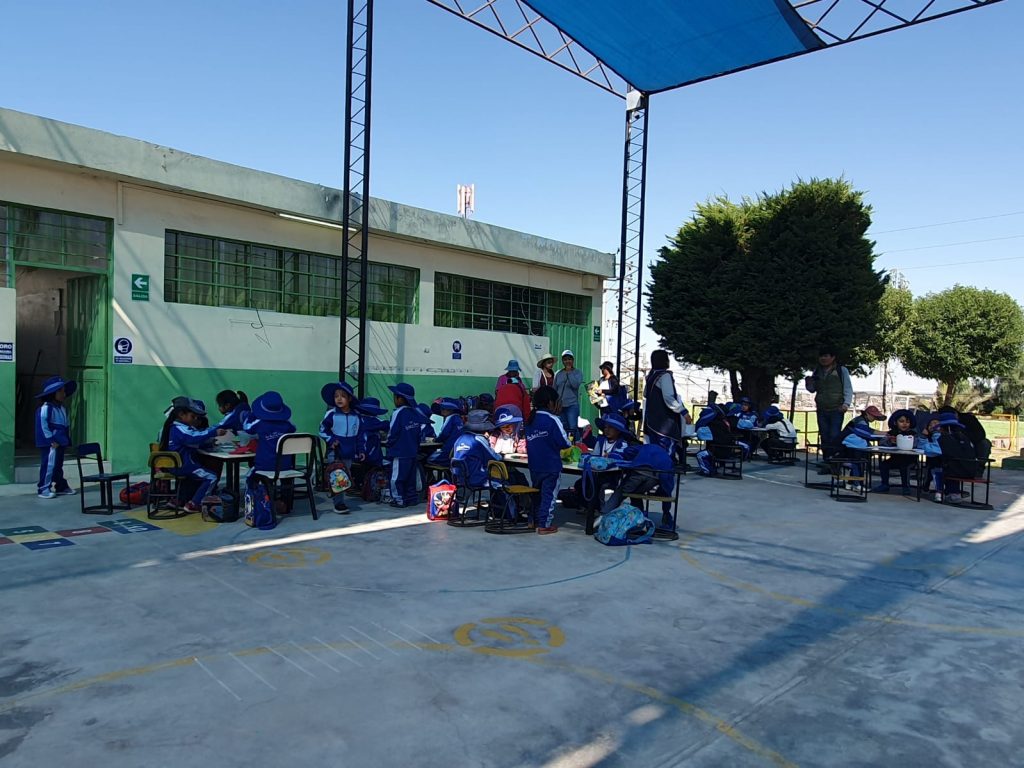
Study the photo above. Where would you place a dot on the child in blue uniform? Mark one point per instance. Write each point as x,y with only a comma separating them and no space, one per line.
184,438
427,430
53,436
546,438
340,428
451,428
235,408
403,443
368,452
269,420
473,449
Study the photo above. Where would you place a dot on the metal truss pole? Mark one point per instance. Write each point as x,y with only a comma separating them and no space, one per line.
631,263
356,195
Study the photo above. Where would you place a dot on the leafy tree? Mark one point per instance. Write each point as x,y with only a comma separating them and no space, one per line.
964,332
759,286
892,333
1009,389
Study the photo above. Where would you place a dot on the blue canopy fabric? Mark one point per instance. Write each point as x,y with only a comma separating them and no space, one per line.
655,45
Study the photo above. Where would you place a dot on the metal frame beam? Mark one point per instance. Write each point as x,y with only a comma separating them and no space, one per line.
356,195
631,241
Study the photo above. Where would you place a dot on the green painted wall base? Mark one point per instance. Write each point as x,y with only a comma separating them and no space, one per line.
140,393
7,374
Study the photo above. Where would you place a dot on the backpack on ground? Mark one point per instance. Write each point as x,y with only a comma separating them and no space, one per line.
259,512
220,508
136,494
375,481
441,500
624,525
337,479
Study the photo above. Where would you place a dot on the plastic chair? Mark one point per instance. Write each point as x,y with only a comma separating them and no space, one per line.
850,476
498,521
105,480
296,444
728,457
164,473
466,493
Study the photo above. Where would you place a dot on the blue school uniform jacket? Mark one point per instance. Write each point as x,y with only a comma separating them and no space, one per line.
404,433
52,425
184,440
450,431
369,441
342,428
474,449
235,418
653,457
268,433
545,438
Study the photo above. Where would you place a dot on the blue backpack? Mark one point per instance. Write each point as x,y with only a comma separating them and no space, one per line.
625,525
259,512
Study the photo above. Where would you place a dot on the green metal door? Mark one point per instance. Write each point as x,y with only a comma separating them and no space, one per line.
579,340
88,339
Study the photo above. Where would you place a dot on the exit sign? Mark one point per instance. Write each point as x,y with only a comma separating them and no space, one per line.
140,287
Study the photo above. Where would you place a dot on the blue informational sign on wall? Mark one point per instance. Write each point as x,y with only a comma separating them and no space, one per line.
6,351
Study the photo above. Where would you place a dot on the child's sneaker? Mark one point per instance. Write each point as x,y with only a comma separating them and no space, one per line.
69,491
340,506
47,494
190,507
938,497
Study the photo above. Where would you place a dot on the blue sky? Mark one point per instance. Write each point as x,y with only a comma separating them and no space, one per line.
927,121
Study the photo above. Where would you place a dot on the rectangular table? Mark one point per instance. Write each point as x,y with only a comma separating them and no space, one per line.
232,463
592,505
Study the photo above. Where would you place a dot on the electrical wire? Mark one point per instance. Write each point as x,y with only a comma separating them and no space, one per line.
953,221
950,245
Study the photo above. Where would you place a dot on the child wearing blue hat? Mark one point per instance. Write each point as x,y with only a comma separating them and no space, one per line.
340,428
269,419
547,438
53,436
403,445
185,438
369,452
449,410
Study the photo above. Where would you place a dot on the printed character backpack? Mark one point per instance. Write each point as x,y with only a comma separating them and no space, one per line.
259,512
336,478
441,500
624,525
375,482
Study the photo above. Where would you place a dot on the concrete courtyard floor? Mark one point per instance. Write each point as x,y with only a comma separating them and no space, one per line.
782,628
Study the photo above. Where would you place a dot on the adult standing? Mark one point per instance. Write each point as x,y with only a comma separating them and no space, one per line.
833,396
512,391
512,373
567,383
610,389
544,376
664,411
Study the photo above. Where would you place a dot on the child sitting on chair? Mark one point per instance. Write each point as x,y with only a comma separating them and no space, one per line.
269,420
449,410
901,423
234,406
181,435
507,438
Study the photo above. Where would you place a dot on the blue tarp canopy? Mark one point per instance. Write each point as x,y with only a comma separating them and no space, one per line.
655,45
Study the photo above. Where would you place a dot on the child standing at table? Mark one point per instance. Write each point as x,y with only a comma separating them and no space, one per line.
340,427
403,445
53,436
546,438
184,438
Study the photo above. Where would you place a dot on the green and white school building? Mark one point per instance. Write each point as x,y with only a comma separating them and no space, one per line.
143,272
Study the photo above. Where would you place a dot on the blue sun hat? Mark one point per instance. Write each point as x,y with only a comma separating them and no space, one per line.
477,421
370,406
424,409
55,383
772,414
404,390
270,407
627,406
446,404
508,414
949,420
513,365
613,420
327,392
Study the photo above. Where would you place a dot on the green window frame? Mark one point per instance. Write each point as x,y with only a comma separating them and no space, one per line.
221,272
468,302
51,238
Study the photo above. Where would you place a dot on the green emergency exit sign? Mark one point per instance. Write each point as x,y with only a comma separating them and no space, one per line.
140,287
